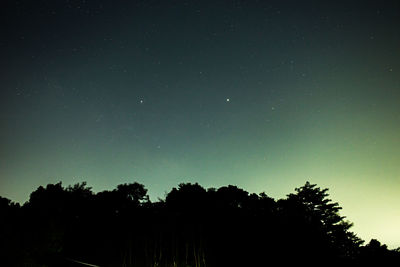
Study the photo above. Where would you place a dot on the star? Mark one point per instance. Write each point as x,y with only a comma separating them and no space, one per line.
227,100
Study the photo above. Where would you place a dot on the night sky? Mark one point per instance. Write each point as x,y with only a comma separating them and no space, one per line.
265,95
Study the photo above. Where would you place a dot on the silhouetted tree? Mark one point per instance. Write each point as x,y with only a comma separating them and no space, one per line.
188,197
133,193
10,239
316,225
377,254
193,226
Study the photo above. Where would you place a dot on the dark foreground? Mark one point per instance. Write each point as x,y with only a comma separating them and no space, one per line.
192,227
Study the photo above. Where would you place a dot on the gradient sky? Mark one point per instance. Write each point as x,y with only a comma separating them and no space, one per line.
264,95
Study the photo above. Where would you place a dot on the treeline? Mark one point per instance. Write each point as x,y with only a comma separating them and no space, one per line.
192,226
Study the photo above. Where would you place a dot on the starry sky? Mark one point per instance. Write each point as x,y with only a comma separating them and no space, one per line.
265,95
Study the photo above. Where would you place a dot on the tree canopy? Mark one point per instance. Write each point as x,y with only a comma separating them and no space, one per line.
192,226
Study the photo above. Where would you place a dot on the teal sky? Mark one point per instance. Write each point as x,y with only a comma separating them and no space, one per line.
265,96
